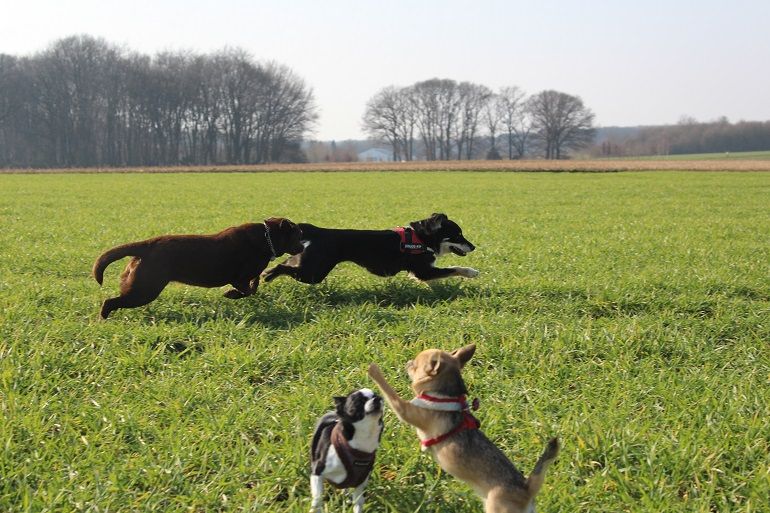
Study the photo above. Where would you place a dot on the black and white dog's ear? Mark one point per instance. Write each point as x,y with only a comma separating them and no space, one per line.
436,220
430,225
339,404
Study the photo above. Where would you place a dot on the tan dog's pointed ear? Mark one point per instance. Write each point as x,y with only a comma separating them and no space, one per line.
431,366
464,354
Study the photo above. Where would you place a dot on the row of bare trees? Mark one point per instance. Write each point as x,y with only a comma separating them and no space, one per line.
688,136
445,120
85,102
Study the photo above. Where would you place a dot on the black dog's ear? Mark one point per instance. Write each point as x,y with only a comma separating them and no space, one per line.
430,225
435,221
339,404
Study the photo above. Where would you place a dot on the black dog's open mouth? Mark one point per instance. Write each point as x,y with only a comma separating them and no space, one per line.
457,251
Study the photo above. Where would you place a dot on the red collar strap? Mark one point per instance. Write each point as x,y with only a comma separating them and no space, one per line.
410,241
449,404
467,423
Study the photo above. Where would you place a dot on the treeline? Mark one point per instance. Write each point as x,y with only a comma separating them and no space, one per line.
441,119
690,136
84,102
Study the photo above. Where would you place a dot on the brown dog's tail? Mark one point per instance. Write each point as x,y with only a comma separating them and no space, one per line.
537,477
116,253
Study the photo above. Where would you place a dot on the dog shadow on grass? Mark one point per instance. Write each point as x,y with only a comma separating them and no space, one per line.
287,307
244,312
395,294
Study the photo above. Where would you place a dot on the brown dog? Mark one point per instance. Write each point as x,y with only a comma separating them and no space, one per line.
447,429
234,256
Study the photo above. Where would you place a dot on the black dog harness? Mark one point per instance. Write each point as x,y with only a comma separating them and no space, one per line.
410,241
358,464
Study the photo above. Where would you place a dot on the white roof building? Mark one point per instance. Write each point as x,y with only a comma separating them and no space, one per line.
376,155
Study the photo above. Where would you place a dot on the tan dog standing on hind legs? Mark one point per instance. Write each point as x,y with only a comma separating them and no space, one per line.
446,428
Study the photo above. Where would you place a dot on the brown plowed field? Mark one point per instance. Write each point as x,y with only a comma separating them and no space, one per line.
598,166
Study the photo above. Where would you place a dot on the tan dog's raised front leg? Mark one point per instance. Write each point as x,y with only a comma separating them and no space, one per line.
405,410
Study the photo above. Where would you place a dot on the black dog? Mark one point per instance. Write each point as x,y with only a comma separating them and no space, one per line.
382,252
344,446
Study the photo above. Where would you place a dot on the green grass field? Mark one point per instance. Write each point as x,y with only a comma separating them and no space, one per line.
627,314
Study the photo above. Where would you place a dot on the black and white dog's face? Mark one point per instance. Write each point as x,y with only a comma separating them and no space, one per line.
359,405
452,240
444,235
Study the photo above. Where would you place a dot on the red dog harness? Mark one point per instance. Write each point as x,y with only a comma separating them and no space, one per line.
410,242
468,421
358,464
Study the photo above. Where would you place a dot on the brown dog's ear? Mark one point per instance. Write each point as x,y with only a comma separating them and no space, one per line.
464,354
431,367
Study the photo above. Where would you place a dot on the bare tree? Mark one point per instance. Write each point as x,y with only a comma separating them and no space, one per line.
492,118
448,116
437,104
473,99
12,101
383,119
285,112
561,122
9,70
84,102
510,109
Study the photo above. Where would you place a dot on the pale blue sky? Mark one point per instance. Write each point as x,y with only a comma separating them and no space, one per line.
648,62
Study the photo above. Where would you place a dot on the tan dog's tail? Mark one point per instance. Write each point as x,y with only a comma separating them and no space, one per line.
116,253
537,477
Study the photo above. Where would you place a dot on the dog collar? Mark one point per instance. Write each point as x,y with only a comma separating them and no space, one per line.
430,402
269,242
448,404
410,242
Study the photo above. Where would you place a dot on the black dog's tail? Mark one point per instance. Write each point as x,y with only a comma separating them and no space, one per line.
133,249
537,477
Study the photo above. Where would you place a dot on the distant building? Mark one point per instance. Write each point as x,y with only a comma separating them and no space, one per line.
376,155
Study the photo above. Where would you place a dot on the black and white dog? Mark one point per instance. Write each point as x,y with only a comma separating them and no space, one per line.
382,252
344,445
